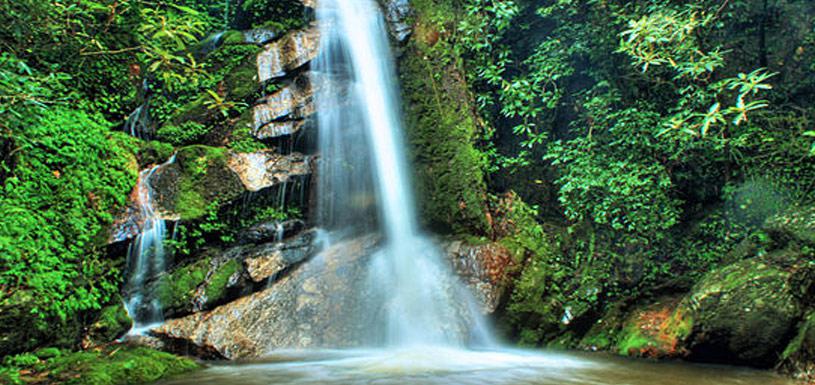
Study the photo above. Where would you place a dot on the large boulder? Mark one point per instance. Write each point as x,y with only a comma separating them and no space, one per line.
218,276
743,313
313,306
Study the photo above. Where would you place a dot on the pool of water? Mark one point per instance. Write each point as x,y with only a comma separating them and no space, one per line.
450,366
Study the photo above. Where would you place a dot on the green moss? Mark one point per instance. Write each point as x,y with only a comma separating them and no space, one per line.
241,138
154,152
199,178
185,133
176,290
217,285
112,322
442,130
241,80
190,204
116,366
113,365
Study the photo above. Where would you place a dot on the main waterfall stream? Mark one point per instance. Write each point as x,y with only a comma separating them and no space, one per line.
363,175
424,326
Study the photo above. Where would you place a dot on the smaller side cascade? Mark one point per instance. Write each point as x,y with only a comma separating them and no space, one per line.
146,257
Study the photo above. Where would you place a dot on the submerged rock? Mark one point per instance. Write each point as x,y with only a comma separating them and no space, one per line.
288,53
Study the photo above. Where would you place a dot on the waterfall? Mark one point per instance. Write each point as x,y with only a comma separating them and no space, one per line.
364,184
146,258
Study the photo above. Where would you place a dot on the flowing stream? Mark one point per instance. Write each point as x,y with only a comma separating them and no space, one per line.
442,366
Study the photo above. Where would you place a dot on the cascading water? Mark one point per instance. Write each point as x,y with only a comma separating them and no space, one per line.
146,258
364,185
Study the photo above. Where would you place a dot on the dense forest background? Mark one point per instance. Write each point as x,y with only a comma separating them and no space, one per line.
648,139
620,149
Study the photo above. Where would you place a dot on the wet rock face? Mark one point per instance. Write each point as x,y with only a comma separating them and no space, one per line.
272,231
287,54
312,306
221,276
397,13
283,112
264,169
483,268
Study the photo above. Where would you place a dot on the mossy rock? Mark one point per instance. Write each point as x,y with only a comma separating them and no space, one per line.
442,130
113,365
111,323
154,152
241,82
199,180
176,290
200,285
796,225
798,357
743,313
22,329
195,110
657,330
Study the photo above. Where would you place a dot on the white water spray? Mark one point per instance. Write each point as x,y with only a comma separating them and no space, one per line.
364,184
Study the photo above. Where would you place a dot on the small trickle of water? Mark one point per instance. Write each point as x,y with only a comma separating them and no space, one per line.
364,185
138,122
146,258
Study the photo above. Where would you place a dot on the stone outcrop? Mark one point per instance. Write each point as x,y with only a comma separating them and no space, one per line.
271,231
483,268
288,53
283,112
313,306
397,13
220,276
264,169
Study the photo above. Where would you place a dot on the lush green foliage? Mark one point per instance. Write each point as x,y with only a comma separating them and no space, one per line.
63,178
661,133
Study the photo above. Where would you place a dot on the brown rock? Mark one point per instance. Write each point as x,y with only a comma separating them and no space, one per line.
288,53
313,306
262,169
483,268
